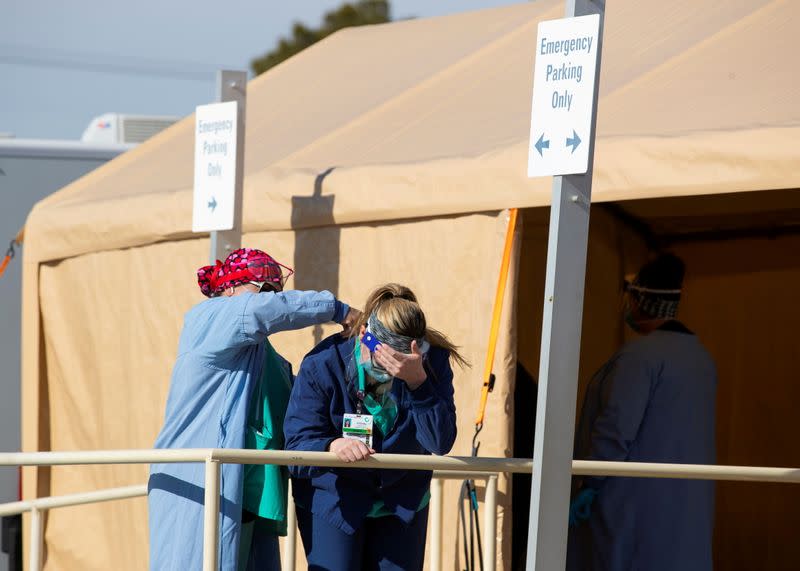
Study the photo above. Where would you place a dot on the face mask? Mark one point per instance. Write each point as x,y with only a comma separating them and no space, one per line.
627,312
377,372
628,316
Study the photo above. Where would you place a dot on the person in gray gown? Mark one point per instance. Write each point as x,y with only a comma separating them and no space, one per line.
653,401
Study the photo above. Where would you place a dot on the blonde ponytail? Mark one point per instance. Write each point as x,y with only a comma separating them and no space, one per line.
439,339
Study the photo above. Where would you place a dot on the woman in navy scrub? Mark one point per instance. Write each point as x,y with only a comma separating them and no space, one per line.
388,388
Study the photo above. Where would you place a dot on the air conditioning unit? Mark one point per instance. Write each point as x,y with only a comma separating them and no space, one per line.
120,128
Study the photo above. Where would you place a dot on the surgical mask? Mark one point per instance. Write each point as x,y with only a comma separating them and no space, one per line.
632,323
377,372
627,312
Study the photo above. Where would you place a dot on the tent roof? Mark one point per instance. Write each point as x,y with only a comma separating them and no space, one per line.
430,117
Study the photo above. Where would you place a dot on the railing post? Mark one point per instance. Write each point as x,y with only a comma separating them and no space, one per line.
437,501
490,525
37,539
289,558
211,519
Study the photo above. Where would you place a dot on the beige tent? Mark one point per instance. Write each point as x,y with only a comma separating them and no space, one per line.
389,153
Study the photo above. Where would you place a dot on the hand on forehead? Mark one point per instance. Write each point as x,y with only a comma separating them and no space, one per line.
405,366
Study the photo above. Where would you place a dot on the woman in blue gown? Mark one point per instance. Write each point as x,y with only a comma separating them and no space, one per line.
220,361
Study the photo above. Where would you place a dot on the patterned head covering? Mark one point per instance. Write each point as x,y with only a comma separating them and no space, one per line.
657,287
245,265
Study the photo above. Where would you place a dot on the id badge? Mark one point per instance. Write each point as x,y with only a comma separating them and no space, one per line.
359,427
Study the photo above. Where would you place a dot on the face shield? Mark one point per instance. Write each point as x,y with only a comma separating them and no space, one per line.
653,303
366,358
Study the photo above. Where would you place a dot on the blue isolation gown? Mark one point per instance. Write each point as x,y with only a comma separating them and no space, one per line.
654,401
220,358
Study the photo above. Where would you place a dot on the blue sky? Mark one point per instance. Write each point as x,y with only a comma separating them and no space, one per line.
57,59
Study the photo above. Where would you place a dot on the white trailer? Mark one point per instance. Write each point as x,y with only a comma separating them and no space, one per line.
29,171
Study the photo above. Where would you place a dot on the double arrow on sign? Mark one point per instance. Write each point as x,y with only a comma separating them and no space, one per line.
573,142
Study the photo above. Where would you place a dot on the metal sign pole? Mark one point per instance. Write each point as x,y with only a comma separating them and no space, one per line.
560,349
232,86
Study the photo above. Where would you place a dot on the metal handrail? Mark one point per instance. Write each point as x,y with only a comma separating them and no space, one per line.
38,506
52,502
400,462
457,466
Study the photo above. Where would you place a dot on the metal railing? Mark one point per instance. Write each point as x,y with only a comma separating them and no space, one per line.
39,506
446,467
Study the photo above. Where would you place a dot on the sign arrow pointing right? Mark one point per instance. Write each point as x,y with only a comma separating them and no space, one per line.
574,141
212,204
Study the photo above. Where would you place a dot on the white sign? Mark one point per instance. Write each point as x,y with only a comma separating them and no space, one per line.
214,167
563,96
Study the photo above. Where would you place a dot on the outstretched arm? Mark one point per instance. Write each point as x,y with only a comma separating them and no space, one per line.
268,313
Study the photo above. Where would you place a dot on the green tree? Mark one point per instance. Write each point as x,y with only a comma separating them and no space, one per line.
360,13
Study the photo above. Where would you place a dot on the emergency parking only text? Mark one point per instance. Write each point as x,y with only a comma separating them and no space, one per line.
565,71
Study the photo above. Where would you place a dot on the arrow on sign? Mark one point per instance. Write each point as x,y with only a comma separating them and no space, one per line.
574,141
541,144
212,204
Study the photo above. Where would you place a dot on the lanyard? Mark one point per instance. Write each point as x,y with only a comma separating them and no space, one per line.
362,384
